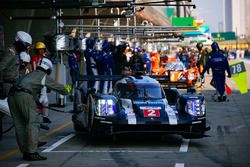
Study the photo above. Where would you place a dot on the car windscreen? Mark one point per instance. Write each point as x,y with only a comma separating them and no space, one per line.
140,91
175,66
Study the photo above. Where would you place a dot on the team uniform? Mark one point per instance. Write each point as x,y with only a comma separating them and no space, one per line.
23,109
218,62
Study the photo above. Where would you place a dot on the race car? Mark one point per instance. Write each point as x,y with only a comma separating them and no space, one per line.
179,75
140,104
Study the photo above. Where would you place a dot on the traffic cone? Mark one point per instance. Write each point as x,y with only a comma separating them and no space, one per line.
228,89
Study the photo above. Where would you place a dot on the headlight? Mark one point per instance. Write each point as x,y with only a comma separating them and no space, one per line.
195,107
190,76
105,107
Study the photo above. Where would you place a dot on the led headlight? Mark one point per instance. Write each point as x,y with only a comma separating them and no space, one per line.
190,76
195,107
105,107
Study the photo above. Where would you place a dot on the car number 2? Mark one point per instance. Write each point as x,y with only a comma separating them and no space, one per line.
151,112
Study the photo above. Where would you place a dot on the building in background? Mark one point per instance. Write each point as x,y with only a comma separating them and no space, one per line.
247,14
241,20
227,15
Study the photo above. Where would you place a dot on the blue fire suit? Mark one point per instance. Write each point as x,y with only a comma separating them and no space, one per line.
146,58
74,67
90,56
105,66
217,61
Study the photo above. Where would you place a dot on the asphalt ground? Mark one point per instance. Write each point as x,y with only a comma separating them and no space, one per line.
227,146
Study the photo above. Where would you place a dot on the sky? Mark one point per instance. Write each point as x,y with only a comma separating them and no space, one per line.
210,11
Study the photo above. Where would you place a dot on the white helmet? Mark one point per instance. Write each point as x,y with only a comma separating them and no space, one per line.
25,57
45,64
23,37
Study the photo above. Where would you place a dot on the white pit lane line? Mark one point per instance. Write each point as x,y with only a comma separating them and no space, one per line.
23,165
58,143
184,145
179,165
183,148
115,151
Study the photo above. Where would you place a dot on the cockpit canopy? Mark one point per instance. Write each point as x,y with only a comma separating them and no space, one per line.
139,91
178,66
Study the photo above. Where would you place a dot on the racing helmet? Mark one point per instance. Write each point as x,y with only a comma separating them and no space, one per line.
199,45
137,49
25,57
40,45
23,37
45,64
215,47
105,45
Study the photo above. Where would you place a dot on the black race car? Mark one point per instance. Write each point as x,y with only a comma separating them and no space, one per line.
140,104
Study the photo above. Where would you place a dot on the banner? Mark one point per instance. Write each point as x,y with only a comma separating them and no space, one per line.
239,76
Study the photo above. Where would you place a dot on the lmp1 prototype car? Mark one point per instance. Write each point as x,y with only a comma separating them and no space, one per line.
140,104
179,75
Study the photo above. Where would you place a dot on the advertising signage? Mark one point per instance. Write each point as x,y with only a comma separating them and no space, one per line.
223,36
182,21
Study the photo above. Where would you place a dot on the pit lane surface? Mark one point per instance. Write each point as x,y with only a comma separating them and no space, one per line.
228,145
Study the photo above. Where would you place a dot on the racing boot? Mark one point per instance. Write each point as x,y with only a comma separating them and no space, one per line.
220,98
224,98
33,157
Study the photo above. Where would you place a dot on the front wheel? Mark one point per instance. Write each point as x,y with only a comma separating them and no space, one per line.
197,131
90,110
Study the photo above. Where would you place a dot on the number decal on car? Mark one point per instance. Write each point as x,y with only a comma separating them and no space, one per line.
151,113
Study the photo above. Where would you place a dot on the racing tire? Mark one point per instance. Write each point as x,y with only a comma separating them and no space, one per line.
77,125
199,131
91,110
78,128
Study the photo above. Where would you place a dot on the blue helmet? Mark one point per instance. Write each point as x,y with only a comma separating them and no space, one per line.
137,49
90,43
215,47
105,45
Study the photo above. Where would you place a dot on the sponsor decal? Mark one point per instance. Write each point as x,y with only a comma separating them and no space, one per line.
196,122
146,102
106,122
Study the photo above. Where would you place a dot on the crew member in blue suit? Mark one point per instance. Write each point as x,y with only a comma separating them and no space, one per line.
217,61
146,59
90,56
107,61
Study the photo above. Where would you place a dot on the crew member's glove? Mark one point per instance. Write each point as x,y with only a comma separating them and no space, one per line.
229,76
